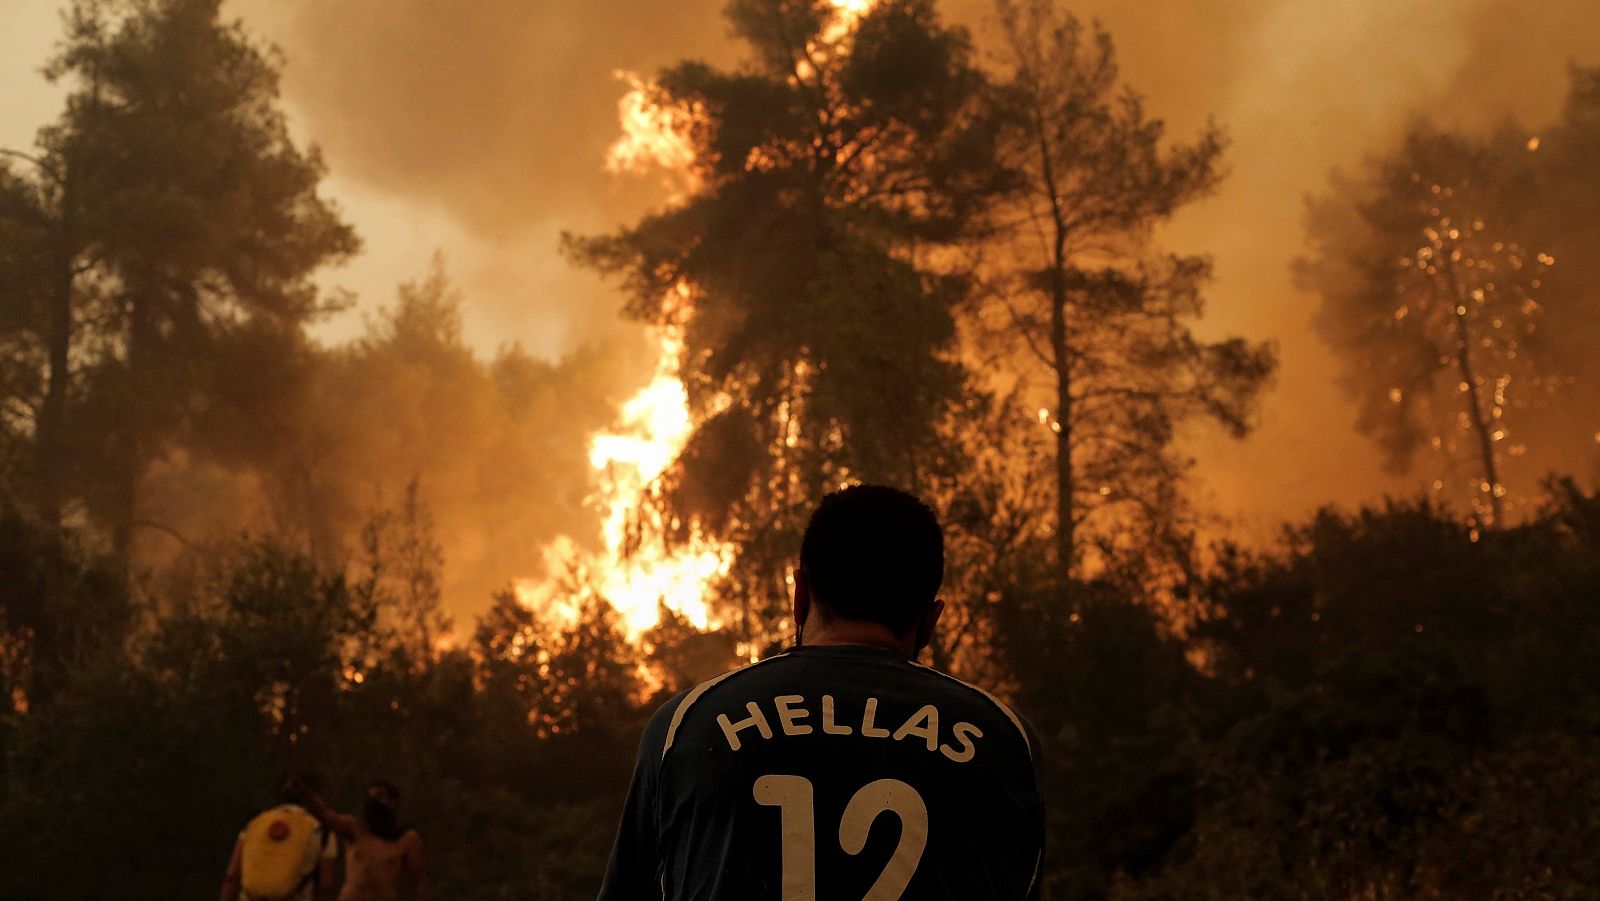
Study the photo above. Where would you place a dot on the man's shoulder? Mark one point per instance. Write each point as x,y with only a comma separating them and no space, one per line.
793,678
984,698
668,718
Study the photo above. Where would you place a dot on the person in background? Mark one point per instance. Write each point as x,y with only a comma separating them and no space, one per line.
841,768
380,853
282,854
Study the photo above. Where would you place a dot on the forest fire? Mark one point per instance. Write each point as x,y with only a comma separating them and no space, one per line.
1249,364
638,578
654,425
655,135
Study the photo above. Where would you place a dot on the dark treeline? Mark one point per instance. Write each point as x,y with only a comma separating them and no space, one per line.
1381,707
159,247
229,552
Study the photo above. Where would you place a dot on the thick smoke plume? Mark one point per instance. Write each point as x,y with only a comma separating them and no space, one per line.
482,129
497,116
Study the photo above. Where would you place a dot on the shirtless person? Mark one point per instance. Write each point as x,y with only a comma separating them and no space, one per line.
377,848
317,870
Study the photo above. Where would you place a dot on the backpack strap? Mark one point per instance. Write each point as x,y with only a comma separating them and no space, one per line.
309,879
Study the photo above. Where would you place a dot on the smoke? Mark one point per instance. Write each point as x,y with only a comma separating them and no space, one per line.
490,121
1304,88
480,129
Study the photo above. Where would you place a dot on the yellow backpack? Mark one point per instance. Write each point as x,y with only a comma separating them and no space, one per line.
274,851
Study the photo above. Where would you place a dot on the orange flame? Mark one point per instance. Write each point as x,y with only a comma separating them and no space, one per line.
654,424
846,14
652,428
656,134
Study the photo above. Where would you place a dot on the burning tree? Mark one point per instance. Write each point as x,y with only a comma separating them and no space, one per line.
1079,291
818,341
1429,294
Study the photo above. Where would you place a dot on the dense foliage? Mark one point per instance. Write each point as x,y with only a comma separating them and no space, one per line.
1090,317
1456,275
1381,707
819,342
1391,702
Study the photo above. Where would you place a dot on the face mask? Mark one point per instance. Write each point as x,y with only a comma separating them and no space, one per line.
380,819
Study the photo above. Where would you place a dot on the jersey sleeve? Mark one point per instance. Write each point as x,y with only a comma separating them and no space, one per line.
634,870
1036,755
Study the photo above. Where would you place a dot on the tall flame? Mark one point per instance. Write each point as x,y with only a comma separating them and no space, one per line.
652,428
654,424
656,134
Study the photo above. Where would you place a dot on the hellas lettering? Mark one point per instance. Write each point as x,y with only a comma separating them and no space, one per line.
791,711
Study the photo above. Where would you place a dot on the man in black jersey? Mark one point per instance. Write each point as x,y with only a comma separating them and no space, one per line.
840,769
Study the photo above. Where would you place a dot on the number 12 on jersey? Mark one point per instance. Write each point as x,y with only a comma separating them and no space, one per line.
792,795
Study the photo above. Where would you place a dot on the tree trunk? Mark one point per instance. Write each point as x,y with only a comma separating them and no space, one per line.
128,465
1066,539
50,445
1480,423
1060,352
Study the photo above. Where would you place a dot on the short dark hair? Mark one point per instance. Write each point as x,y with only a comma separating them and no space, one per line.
873,553
387,788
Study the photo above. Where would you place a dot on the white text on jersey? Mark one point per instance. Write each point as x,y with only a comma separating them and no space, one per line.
791,712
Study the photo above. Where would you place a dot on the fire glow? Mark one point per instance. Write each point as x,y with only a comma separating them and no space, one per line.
655,423
655,135
652,427
639,578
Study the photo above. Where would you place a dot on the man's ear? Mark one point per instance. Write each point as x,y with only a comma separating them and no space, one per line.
802,602
925,626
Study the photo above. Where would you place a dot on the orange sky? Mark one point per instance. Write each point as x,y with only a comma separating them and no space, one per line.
479,129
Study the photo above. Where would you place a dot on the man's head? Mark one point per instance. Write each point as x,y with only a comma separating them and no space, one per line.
872,554
385,791
379,810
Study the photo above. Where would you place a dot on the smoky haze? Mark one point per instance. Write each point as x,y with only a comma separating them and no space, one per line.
491,121
484,126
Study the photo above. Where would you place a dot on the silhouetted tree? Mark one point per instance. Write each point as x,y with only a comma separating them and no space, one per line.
818,339
1079,290
179,226
59,605
38,270
1429,293
1455,254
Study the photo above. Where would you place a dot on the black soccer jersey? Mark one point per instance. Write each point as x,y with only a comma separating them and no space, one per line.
831,773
